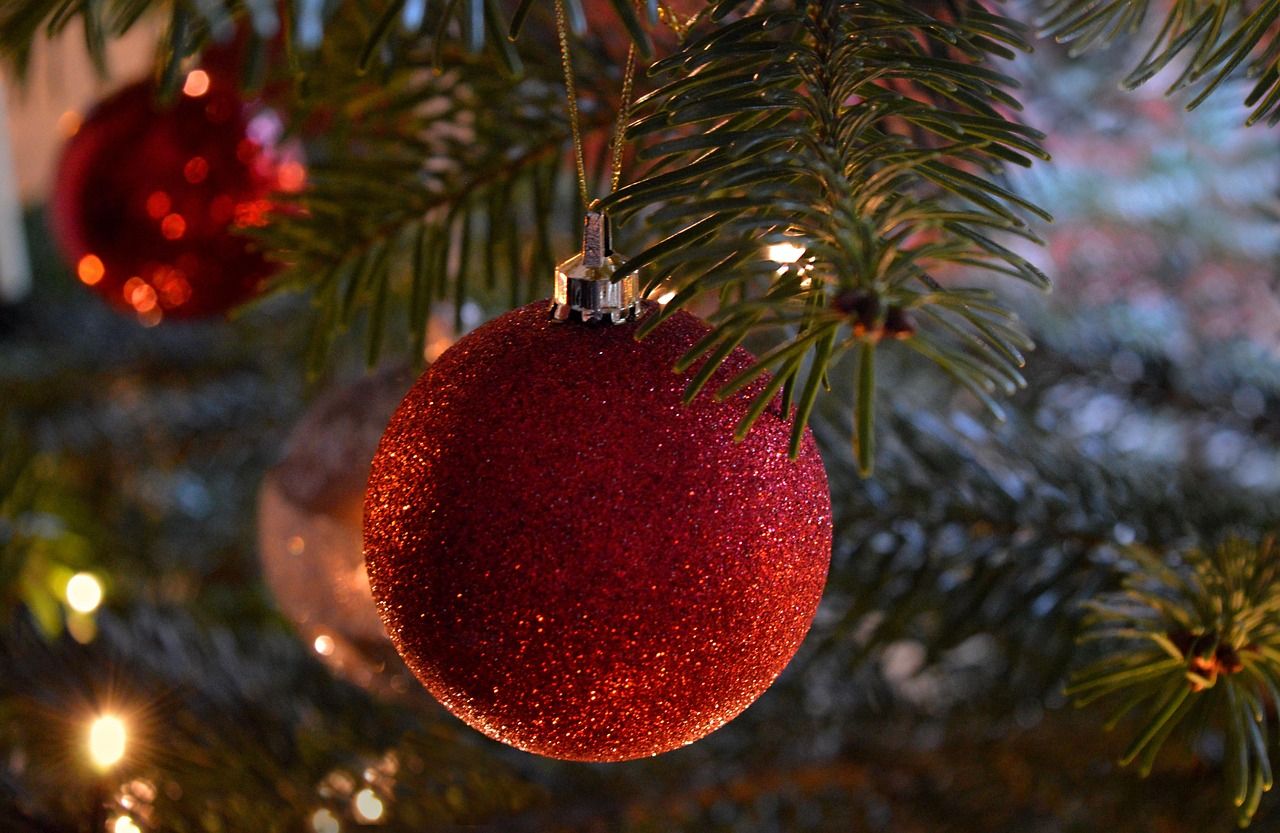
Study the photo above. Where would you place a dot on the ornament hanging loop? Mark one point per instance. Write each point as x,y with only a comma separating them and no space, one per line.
585,290
596,239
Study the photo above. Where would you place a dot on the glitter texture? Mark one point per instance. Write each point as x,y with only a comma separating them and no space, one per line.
574,562
147,198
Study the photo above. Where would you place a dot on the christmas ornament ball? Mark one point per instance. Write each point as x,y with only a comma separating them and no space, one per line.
148,198
309,529
576,563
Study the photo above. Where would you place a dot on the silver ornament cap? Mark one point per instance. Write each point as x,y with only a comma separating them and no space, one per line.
584,286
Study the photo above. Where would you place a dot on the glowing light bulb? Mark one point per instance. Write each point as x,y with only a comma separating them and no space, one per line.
291,176
140,294
324,645
69,123
196,170
84,593
173,226
322,821
124,824
665,298
90,269
197,83
106,741
784,252
368,806
158,204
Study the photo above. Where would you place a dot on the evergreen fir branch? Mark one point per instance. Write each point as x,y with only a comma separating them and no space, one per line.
429,187
400,27
195,699
1220,40
1194,641
191,26
869,135
44,532
1026,528
17,499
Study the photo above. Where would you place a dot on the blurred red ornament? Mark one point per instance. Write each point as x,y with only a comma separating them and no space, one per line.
149,198
576,563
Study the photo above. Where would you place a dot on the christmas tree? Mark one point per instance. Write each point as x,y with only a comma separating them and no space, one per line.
599,527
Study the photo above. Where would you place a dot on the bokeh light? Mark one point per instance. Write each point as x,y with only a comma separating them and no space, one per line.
107,739
69,123
784,252
197,83
90,269
84,593
323,821
367,806
125,824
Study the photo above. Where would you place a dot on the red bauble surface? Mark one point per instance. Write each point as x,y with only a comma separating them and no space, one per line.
148,199
575,563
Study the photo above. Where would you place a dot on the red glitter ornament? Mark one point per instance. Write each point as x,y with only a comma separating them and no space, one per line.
574,562
148,198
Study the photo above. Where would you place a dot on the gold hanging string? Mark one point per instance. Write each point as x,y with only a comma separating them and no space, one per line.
571,92
575,115
624,114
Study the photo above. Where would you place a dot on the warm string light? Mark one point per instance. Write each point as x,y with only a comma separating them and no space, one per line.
69,123
784,253
291,176
324,645
125,824
365,799
107,740
197,83
90,269
137,798
440,331
323,821
367,806
83,593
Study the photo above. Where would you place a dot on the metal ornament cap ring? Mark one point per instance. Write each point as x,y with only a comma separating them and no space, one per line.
585,290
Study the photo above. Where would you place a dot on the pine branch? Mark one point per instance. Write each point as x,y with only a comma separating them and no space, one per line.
868,135
1026,524
1199,639
1023,534
399,27
191,26
1222,39
17,498
234,730
429,187
44,532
